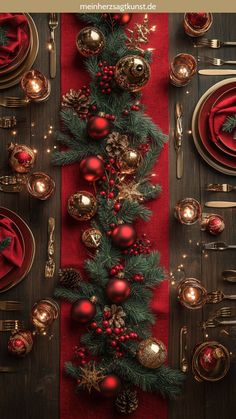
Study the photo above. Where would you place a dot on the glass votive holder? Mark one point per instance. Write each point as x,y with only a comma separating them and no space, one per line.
36,86
182,68
191,293
43,314
188,211
197,24
40,185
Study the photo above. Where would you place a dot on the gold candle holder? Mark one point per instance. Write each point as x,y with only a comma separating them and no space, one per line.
197,24
188,211
182,68
36,86
191,293
40,185
43,315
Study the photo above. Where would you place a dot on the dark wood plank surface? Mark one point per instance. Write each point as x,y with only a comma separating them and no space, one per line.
199,400
33,392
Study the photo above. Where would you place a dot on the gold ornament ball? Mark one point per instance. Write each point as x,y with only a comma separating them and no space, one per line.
132,73
90,41
152,353
92,238
82,205
129,161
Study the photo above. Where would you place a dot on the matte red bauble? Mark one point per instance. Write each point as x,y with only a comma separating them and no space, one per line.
98,127
20,343
110,385
21,158
122,18
92,168
117,290
197,20
124,235
83,310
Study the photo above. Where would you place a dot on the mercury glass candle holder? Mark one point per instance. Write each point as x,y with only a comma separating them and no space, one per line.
40,185
43,314
191,293
182,68
36,86
188,211
197,24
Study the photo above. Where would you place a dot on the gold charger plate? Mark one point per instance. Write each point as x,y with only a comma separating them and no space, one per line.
196,137
15,77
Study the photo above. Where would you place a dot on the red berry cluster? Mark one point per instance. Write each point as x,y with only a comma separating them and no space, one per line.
138,278
108,181
107,115
80,353
144,148
141,246
117,335
105,76
136,108
116,270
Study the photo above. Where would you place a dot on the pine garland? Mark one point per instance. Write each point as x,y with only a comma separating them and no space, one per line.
5,243
229,124
140,129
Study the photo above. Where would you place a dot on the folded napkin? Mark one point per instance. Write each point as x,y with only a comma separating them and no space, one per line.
218,114
12,255
14,33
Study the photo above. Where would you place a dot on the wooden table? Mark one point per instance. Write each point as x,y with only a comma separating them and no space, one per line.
33,393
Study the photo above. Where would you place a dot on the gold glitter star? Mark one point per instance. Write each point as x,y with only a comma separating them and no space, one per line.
91,377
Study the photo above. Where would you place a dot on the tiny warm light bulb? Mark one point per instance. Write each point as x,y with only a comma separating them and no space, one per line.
48,150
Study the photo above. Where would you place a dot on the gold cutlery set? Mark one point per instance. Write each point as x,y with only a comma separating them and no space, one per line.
215,44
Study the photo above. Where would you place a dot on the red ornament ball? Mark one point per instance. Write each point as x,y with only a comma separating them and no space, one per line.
92,168
214,224
197,20
110,385
118,290
21,158
20,343
83,310
122,18
124,235
209,357
98,127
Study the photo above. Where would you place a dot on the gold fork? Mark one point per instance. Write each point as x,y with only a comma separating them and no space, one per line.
53,24
213,43
215,297
11,325
14,102
11,305
50,264
216,61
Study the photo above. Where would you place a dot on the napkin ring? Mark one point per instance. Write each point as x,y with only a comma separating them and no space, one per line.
8,122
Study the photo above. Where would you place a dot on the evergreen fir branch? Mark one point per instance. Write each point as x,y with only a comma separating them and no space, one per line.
73,123
141,264
72,370
140,293
149,191
96,271
130,210
136,312
96,344
87,289
5,243
3,36
62,158
229,124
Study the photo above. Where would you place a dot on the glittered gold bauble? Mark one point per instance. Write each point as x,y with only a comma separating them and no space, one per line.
129,161
20,343
152,353
43,314
82,205
92,238
90,41
132,73
21,158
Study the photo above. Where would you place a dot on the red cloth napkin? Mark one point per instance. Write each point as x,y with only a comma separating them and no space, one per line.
218,114
13,254
16,30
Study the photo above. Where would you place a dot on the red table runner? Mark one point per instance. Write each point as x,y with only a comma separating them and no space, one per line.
73,252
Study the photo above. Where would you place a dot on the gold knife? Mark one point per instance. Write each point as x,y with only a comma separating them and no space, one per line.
179,140
215,72
220,204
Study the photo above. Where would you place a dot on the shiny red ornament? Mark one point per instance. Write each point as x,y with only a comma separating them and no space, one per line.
91,168
117,290
98,127
209,357
197,20
21,158
125,18
20,343
110,385
214,224
83,310
124,235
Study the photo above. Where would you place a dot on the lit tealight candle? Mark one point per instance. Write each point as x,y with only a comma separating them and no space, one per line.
40,185
188,211
35,85
191,293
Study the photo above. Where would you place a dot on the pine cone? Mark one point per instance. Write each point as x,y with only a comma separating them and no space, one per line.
116,315
127,402
116,144
69,278
77,100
